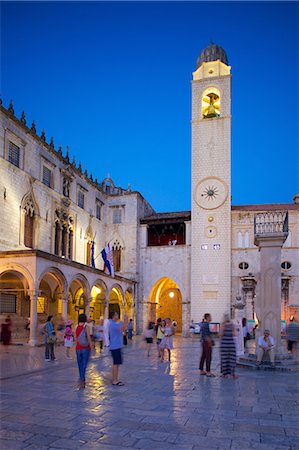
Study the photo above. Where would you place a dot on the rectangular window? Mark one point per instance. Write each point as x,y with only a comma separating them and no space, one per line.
40,305
98,209
59,306
117,215
14,154
47,176
8,303
81,199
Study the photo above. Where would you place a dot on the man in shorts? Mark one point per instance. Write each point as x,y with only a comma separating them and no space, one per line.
116,330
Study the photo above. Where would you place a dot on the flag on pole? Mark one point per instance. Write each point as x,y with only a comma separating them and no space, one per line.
107,255
92,262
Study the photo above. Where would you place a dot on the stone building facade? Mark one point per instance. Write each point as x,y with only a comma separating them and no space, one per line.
56,218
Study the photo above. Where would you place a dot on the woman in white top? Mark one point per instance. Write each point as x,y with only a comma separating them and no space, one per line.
167,340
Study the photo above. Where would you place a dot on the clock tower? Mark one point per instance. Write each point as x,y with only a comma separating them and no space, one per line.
211,186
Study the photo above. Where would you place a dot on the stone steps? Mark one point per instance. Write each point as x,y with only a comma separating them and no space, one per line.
284,363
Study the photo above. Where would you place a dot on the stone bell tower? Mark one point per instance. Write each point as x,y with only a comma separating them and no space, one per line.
211,185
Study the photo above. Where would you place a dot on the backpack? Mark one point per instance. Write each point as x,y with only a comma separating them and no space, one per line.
82,338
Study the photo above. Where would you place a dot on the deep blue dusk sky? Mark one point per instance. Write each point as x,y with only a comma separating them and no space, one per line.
112,81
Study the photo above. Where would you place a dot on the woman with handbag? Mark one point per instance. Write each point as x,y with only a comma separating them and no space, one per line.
207,344
49,338
83,348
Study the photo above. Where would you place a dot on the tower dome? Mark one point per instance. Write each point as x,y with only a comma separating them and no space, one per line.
212,53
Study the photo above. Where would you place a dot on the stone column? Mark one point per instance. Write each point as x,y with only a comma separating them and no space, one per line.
106,310
87,308
33,318
186,320
270,235
65,299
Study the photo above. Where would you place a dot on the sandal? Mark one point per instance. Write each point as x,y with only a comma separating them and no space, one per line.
203,372
119,383
211,375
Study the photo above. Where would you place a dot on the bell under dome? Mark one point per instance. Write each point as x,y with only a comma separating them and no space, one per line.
212,53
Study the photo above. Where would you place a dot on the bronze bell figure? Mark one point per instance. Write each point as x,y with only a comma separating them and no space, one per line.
211,112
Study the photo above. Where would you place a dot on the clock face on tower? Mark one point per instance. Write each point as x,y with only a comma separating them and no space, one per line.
210,193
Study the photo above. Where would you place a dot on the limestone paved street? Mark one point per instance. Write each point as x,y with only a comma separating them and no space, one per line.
162,406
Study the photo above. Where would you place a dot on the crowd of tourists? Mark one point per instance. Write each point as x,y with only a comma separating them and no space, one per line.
112,333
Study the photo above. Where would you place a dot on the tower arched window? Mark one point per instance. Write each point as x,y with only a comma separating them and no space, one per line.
63,239
210,103
89,236
29,212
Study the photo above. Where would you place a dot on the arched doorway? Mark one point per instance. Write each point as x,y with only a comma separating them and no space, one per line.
166,301
51,287
13,294
78,299
115,301
129,304
97,304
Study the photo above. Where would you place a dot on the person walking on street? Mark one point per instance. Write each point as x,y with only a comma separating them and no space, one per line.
6,333
167,340
68,338
227,348
207,344
49,339
159,334
116,329
292,335
130,330
99,333
149,336
245,332
83,348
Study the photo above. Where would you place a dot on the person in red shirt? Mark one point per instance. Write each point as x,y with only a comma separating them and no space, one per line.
83,348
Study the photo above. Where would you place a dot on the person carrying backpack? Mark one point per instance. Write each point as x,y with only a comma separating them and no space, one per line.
83,348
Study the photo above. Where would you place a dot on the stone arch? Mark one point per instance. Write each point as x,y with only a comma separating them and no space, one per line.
98,302
15,282
15,267
52,287
116,299
79,291
129,303
54,271
211,102
165,300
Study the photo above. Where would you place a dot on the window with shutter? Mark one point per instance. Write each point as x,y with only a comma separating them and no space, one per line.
28,231
14,154
47,175
8,303
117,215
81,199
117,259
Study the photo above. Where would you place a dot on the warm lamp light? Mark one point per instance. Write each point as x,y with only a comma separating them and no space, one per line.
171,294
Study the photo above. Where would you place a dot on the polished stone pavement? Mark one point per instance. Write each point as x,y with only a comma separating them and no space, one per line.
162,405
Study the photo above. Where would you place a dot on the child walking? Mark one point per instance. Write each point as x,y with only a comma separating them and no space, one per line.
68,338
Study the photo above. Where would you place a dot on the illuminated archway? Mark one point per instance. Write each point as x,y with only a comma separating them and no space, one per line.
78,298
165,300
52,285
116,301
210,103
129,304
13,293
97,303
